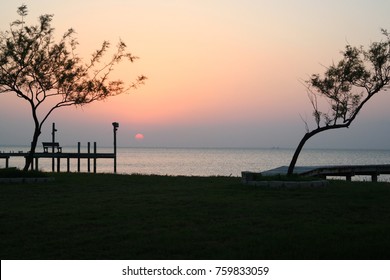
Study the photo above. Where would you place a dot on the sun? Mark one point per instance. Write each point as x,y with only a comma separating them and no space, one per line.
139,136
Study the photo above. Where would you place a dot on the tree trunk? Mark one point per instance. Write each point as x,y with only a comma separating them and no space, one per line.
306,137
302,143
296,153
34,142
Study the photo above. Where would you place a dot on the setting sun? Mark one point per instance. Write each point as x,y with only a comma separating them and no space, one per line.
139,136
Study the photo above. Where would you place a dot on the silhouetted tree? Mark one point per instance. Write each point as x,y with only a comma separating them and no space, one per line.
40,71
346,87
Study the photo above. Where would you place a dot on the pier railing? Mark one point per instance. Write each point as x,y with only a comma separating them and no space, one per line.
58,156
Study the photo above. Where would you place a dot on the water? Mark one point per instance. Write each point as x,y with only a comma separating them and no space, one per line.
210,161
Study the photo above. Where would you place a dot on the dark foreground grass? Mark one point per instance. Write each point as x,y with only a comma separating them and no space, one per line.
86,216
17,173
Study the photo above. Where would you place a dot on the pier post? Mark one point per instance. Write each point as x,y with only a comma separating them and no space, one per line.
58,164
374,177
36,164
89,159
6,162
68,165
115,125
78,158
53,140
94,157
32,164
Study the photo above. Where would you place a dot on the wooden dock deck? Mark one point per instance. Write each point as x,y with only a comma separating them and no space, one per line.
58,156
53,150
347,171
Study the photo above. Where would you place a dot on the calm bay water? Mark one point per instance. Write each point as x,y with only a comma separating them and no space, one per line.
210,161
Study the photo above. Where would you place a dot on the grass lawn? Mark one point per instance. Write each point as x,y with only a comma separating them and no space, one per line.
106,216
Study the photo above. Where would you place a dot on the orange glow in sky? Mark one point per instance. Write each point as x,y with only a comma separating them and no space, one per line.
220,72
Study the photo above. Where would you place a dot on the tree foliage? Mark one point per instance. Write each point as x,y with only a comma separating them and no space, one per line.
39,70
347,86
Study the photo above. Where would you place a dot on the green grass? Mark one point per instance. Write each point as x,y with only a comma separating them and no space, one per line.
102,216
17,173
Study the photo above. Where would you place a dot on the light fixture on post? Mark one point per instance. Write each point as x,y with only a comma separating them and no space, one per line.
115,126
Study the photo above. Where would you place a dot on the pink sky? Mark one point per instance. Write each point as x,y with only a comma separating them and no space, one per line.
220,73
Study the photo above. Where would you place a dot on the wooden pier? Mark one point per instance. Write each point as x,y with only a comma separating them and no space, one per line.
347,171
63,156
57,155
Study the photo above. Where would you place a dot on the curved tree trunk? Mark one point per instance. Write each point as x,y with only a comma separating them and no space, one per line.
306,137
34,142
298,150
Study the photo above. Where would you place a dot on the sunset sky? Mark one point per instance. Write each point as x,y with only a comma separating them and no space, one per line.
221,73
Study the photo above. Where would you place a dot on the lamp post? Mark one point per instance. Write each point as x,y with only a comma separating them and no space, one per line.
115,126
53,140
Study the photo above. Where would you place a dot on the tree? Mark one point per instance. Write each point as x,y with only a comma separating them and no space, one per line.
347,86
40,71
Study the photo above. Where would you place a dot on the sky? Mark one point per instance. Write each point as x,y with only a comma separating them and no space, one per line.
221,73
